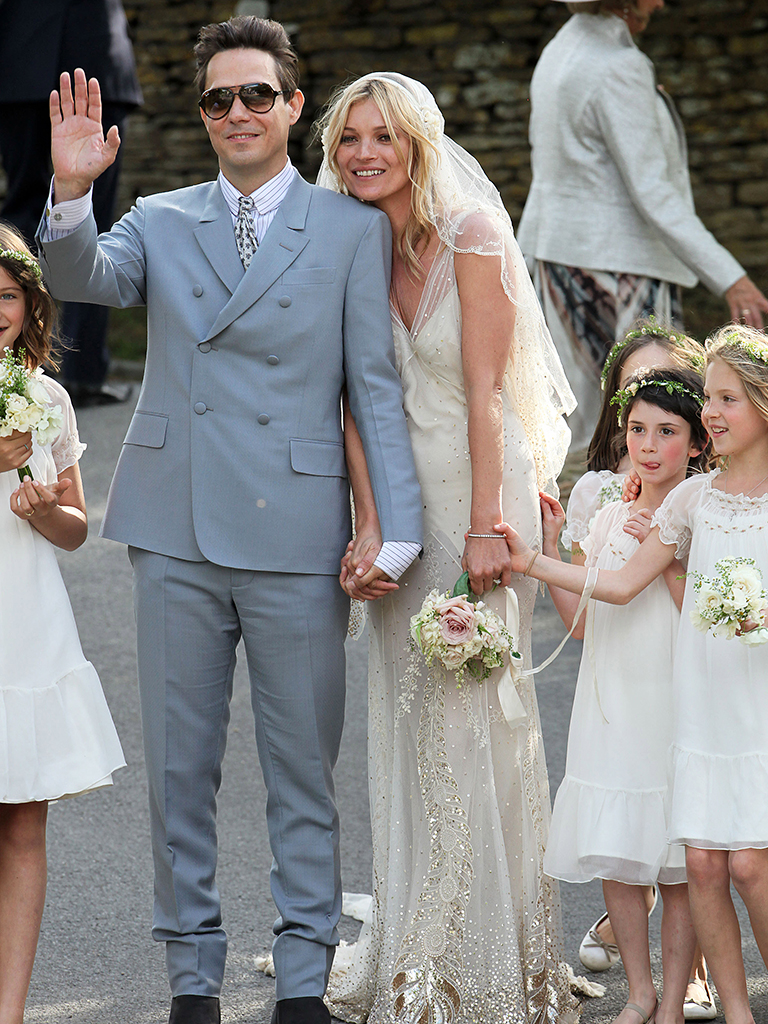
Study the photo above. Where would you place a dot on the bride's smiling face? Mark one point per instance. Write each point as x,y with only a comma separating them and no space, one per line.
368,160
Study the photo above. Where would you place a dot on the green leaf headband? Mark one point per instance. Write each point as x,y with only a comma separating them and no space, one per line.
622,398
22,257
757,353
649,330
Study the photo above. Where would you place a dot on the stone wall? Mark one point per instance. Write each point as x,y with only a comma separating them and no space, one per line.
477,56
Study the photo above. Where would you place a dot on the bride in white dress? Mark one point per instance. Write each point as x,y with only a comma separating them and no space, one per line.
464,926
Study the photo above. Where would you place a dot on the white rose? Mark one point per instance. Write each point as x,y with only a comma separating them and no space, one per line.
37,391
709,600
453,658
699,622
747,579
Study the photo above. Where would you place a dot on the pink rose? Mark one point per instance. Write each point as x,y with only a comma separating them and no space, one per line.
457,620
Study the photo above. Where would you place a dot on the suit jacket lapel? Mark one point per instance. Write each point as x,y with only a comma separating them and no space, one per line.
284,241
216,237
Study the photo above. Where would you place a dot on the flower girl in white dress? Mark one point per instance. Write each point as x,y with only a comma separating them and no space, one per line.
56,734
718,796
609,819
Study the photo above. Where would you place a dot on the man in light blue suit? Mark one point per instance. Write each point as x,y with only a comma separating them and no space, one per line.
231,488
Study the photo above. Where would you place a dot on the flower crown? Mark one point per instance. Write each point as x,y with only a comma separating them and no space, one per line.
649,330
622,398
757,353
22,257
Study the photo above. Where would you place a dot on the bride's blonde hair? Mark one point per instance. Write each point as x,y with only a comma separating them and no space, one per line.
399,113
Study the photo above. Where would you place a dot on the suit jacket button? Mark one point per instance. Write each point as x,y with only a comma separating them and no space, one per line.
273,360
285,301
263,419
204,346
200,408
197,291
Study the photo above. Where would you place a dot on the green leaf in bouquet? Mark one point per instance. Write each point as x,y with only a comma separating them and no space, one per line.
461,588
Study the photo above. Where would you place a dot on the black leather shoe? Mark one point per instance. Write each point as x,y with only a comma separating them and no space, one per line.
195,1010
305,1010
85,395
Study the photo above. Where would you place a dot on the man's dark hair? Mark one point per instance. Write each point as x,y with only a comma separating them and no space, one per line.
244,32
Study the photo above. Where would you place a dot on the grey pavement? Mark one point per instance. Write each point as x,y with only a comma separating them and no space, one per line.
97,963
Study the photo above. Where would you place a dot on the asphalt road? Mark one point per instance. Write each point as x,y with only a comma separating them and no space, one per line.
97,963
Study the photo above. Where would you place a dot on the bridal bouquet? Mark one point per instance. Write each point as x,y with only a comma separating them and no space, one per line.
732,599
24,403
461,633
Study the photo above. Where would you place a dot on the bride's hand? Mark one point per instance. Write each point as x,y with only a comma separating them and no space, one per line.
487,560
359,577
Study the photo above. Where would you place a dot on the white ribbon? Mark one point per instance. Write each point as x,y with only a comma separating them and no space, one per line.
511,705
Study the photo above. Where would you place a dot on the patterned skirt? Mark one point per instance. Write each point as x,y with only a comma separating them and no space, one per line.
586,312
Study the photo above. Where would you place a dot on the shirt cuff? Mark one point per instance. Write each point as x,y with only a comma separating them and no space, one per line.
395,557
63,218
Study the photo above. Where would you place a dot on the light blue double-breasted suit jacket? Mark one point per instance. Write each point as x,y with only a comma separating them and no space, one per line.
235,457
235,453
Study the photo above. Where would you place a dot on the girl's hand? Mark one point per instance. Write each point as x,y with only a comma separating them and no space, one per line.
488,562
15,451
631,486
520,553
33,500
552,522
639,524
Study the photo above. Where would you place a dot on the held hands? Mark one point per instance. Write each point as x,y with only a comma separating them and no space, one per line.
552,522
359,577
79,151
15,450
33,500
747,303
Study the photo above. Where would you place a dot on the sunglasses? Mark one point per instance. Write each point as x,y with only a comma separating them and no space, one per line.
258,97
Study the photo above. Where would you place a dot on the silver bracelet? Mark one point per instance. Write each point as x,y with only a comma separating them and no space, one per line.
488,536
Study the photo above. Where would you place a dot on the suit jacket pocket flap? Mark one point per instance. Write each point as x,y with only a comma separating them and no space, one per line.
147,429
309,275
318,458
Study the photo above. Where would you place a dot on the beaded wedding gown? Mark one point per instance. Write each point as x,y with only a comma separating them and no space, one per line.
464,926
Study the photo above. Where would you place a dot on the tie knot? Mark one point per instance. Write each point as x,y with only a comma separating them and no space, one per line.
246,204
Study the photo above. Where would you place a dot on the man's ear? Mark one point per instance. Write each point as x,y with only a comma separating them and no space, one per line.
296,104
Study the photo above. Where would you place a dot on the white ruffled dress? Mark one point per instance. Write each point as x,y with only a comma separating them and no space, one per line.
609,819
719,756
591,492
57,737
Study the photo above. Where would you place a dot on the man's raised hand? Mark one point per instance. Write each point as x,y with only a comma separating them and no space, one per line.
79,151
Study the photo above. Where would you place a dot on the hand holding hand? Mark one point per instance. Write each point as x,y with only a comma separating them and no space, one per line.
79,151
639,524
15,450
34,500
520,553
630,489
552,521
747,303
359,577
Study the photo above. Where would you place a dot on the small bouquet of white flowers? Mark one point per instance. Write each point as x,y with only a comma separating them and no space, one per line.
24,403
731,602
461,633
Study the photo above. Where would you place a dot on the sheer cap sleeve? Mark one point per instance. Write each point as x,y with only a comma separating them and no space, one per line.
590,493
675,516
67,448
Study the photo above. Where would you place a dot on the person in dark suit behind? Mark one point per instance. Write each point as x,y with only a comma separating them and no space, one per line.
37,42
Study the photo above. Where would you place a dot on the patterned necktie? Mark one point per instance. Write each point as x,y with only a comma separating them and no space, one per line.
245,236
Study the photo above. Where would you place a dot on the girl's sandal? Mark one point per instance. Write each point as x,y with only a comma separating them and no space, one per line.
638,1009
